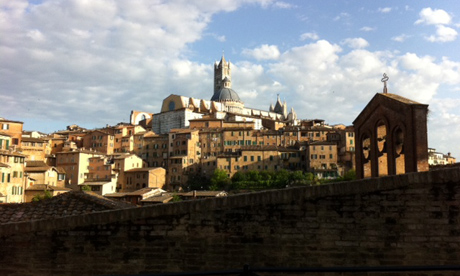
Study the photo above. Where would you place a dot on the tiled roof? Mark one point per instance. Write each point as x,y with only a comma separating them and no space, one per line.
11,153
37,169
4,165
143,169
30,139
158,199
42,187
35,163
63,205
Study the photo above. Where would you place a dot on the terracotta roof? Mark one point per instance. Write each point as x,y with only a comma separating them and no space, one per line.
5,134
4,165
9,121
95,183
115,195
143,169
42,187
35,163
30,139
145,190
159,199
11,153
63,205
37,169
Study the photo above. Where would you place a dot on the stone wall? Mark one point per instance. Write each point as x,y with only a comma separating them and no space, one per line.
410,219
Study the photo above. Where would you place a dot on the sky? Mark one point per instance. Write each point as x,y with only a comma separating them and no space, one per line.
90,62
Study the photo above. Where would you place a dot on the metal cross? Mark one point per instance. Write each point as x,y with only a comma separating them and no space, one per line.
384,80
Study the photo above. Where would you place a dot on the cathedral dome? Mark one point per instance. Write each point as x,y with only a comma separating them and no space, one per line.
225,95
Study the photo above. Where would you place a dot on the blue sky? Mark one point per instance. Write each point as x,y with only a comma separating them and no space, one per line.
90,62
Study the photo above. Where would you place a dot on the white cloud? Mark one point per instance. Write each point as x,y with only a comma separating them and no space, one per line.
355,43
306,36
400,38
342,15
264,52
385,10
443,34
367,29
429,16
283,5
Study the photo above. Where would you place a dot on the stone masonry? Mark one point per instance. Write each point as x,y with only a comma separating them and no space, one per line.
410,219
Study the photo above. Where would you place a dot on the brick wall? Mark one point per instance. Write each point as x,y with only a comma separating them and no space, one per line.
410,219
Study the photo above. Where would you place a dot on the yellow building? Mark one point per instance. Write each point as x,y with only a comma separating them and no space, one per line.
123,163
34,148
155,149
12,178
184,156
75,163
322,159
268,158
136,179
12,128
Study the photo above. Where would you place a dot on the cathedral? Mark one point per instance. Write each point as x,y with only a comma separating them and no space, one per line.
225,104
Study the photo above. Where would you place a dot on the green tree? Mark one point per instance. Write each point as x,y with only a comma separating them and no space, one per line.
86,188
281,178
219,180
46,195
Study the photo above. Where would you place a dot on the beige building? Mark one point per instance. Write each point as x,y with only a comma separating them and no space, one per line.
136,179
155,149
268,158
322,159
35,148
14,129
75,163
99,141
184,156
12,178
123,163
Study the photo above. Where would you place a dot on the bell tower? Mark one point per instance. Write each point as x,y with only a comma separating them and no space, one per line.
222,70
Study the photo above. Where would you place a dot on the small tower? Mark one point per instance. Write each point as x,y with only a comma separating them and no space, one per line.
222,70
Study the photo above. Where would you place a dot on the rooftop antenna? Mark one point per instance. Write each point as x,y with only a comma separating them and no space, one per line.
384,80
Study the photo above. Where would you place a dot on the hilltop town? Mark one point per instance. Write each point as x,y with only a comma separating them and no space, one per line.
143,161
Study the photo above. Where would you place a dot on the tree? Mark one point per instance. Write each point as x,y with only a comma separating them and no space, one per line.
86,188
219,180
46,195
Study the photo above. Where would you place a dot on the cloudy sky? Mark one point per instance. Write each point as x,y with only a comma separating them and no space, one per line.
90,62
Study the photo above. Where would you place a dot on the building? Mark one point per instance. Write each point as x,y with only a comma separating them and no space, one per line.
391,137
437,158
12,128
12,178
75,163
177,111
139,178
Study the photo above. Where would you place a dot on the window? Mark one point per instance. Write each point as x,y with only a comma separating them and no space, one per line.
252,158
245,158
6,126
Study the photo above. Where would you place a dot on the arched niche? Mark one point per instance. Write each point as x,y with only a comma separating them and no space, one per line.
366,155
382,147
399,146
